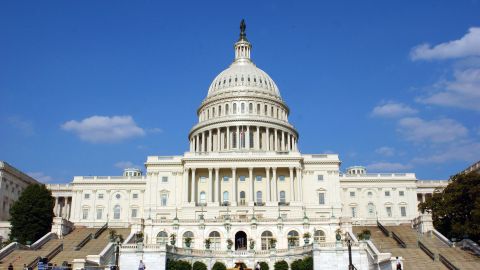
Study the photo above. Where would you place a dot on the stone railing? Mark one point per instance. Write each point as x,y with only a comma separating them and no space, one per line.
447,263
94,178
426,250
469,244
377,256
239,220
40,242
10,248
380,175
441,237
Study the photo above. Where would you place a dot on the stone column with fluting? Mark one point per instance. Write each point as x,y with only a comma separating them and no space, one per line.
234,195
210,186
251,189
268,184
292,188
185,186
193,183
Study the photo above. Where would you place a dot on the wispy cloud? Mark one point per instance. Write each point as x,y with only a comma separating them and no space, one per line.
40,176
126,164
385,151
419,130
388,167
104,129
392,110
22,125
466,151
468,45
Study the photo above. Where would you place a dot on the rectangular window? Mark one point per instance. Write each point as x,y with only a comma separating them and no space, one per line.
281,178
134,213
401,193
403,211
163,200
320,177
225,179
85,213
203,179
354,211
352,193
100,195
387,193
86,196
242,178
135,195
321,198
99,213
259,178
389,211
164,179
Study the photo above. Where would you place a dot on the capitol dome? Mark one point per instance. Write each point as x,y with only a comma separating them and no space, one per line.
243,110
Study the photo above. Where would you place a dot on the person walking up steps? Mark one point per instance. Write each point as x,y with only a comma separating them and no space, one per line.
141,266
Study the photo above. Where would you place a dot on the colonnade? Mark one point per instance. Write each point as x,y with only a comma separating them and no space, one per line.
243,138
215,187
63,207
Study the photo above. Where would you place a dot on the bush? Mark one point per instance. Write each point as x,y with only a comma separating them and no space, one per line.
183,265
264,266
297,265
199,266
219,266
308,263
171,265
280,265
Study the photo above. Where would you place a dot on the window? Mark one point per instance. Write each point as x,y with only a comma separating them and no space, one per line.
250,108
225,179
242,178
242,198
234,108
226,109
134,213
188,234
354,211
403,211
85,213
234,139
281,178
163,199
258,108
243,108
258,178
219,111
387,193
203,179
99,213
293,239
225,197
86,196
282,196
203,197
352,193
371,209
162,237
118,196
321,198
369,194
389,211
164,179
401,193
100,195
320,177
135,195
250,134
214,240
319,236
116,212
266,239
259,197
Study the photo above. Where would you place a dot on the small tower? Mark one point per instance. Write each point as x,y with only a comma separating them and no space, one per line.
132,172
356,170
242,47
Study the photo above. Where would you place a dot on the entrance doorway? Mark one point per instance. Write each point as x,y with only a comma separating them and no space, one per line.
240,240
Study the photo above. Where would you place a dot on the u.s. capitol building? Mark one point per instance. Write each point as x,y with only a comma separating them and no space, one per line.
243,179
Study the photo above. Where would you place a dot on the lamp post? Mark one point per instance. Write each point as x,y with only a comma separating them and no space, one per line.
348,239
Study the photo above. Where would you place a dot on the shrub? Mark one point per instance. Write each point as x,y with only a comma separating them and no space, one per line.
264,266
199,266
219,266
297,265
280,265
171,264
183,265
308,263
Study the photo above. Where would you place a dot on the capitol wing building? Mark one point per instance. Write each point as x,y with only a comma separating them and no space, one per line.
245,180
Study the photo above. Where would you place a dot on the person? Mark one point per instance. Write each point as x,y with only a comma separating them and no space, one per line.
25,267
241,266
141,266
399,264
257,266
10,266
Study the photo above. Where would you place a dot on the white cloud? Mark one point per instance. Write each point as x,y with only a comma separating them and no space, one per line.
385,151
104,129
40,176
462,92
24,126
436,131
126,164
393,109
155,130
468,45
461,151
388,166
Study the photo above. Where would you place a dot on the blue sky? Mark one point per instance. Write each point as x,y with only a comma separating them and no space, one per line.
89,87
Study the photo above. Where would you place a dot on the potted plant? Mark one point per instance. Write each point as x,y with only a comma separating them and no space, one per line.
173,239
306,238
139,237
112,234
208,242
229,243
188,241
252,244
273,243
364,235
338,234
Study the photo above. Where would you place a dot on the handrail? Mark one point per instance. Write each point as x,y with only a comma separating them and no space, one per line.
100,231
426,250
447,263
42,241
49,256
383,229
399,240
441,237
83,242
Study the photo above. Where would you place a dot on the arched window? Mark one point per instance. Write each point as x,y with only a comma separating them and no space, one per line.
319,236
203,197
265,240
259,197
214,240
293,239
250,108
282,197
188,234
162,237
116,212
234,108
219,110
266,110
226,110
225,197
371,210
213,112
243,108
258,108
242,197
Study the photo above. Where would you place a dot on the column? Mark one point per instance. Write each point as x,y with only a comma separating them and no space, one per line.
69,208
268,183
217,185
289,137
185,185
275,190
237,137
94,208
192,196
292,191
257,146
55,211
228,139
247,138
267,140
204,141
283,142
210,140
275,140
218,140
234,178
251,190
299,184
210,186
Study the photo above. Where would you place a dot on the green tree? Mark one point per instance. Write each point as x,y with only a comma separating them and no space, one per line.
456,210
199,266
297,265
264,266
31,216
182,265
219,266
280,265
308,263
